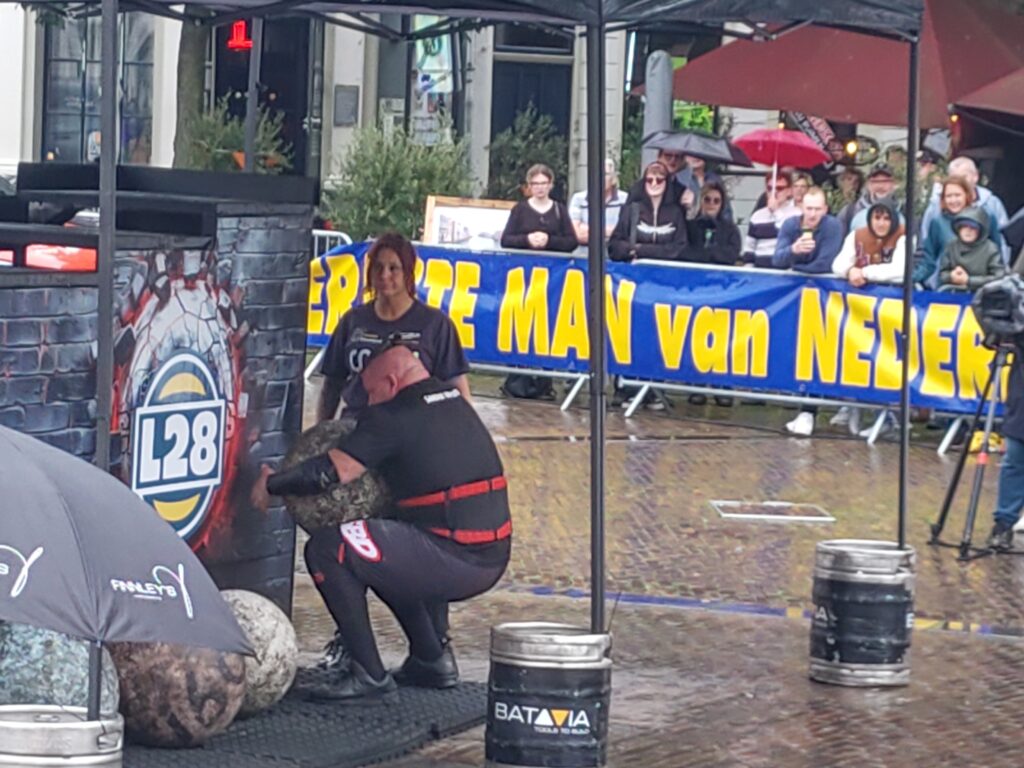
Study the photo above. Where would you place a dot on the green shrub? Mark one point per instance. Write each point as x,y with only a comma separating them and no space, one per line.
384,180
216,142
532,139
631,152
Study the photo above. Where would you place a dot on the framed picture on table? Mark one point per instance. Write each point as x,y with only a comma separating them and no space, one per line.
469,223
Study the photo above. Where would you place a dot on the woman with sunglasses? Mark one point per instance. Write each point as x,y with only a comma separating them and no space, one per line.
653,227
539,222
713,238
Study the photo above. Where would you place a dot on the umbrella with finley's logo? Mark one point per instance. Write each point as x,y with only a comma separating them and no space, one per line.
83,555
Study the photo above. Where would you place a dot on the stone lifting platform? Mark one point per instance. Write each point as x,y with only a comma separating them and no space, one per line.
300,733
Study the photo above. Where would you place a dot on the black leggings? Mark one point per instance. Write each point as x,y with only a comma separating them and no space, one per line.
414,572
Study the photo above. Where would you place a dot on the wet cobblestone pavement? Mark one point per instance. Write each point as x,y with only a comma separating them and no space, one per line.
699,680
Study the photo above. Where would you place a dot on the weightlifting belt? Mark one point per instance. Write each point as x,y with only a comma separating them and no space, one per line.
456,492
444,520
475,537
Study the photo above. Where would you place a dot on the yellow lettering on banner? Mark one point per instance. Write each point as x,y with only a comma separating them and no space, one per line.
524,311
937,349
858,340
417,271
817,336
333,289
972,359
619,318
672,328
888,363
709,341
750,336
438,280
463,303
571,321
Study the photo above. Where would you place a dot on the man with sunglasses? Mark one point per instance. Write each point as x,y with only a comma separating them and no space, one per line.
447,538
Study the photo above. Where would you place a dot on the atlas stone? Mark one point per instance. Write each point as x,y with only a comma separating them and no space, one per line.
270,673
175,696
362,498
38,666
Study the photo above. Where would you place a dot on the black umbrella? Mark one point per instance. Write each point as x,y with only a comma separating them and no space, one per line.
699,144
83,555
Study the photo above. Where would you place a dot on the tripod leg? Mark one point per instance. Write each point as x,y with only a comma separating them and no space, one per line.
979,469
962,459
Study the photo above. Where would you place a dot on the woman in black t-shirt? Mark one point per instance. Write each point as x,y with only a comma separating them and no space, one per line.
394,309
539,223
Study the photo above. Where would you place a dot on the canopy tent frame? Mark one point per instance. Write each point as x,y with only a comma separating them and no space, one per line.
901,17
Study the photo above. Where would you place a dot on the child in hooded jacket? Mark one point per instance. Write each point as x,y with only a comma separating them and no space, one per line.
970,259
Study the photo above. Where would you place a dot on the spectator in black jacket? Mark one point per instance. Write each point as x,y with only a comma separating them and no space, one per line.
539,222
712,236
653,226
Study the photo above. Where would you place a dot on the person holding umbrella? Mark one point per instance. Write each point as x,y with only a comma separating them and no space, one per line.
694,176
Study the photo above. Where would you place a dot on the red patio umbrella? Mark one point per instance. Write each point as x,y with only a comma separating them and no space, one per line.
855,78
776,147
1003,95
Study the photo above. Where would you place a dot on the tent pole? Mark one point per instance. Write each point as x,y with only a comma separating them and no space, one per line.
913,106
595,251
95,680
108,217
252,96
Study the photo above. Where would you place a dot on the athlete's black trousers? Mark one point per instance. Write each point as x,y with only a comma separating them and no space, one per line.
416,573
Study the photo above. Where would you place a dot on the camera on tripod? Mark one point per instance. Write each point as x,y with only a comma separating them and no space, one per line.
999,309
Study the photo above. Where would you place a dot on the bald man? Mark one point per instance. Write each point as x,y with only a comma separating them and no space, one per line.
447,538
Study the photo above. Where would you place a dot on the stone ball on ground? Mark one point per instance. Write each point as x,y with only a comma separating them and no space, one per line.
39,666
270,673
362,498
176,696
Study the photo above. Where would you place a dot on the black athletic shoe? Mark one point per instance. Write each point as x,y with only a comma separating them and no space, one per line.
336,657
441,673
1001,538
356,687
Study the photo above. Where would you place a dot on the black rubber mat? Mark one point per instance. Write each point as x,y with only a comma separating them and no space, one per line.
299,733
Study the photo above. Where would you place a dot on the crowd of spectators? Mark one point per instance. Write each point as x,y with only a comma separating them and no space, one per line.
679,210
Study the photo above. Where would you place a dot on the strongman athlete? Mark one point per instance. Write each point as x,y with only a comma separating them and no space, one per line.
447,538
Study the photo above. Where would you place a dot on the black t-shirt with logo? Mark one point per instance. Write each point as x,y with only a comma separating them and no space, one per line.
428,331
428,439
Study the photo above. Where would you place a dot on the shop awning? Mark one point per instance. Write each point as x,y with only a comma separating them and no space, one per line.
854,78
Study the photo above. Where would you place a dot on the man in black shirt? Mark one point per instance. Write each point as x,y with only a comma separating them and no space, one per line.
448,537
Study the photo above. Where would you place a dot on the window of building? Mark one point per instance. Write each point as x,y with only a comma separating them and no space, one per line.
71,104
531,38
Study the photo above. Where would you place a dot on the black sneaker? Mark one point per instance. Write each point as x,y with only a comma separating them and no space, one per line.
441,673
1001,538
336,657
356,687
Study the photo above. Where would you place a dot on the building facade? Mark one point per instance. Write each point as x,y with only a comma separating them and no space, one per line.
327,80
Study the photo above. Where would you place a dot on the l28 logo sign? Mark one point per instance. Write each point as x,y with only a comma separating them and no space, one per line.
178,442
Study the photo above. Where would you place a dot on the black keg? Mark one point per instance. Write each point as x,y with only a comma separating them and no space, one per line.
863,598
547,696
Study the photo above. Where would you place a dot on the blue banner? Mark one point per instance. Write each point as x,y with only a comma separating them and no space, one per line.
735,328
